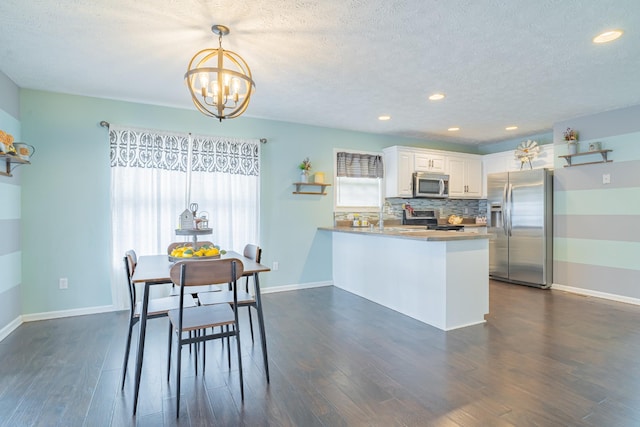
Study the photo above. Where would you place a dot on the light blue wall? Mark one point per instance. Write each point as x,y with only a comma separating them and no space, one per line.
66,192
10,221
64,213
596,238
511,144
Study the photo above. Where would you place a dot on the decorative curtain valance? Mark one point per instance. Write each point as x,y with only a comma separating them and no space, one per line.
144,148
357,165
139,148
226,155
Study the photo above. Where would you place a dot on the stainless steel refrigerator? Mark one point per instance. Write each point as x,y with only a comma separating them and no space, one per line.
520,215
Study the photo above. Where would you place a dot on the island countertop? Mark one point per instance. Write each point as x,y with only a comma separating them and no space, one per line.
410,232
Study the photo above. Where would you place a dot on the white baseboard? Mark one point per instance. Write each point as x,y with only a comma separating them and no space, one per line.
285,288
4,332
597,294
68,313
12,326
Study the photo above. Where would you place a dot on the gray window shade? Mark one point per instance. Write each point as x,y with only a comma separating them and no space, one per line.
356,165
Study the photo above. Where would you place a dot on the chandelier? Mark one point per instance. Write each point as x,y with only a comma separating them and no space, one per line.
219,80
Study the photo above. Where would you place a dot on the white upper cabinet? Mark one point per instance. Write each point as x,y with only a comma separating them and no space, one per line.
401,162
465,176
399,166
429,162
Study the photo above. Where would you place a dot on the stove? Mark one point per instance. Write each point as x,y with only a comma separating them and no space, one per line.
428,218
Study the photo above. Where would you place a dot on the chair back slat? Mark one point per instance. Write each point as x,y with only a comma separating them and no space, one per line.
206,272
253,252
130,263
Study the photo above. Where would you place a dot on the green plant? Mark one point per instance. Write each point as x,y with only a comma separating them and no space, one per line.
570,135
305,165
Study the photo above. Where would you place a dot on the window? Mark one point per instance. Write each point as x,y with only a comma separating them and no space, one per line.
358,178
154,177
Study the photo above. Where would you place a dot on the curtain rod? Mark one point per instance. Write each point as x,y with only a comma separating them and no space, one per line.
106,124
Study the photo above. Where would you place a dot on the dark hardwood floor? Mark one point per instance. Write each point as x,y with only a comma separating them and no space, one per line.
544,358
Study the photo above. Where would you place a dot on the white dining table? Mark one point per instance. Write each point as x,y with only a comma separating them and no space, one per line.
154,270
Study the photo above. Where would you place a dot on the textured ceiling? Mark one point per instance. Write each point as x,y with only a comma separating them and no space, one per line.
342,63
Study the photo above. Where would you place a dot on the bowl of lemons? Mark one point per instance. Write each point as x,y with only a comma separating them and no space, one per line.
182,253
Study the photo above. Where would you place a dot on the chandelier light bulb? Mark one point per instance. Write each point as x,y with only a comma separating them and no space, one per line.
204,80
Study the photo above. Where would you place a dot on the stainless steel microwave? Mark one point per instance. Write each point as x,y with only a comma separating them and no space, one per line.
434,185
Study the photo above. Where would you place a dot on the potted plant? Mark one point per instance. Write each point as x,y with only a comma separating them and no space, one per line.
304,167
571,136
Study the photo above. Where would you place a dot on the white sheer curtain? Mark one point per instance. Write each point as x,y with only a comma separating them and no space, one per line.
149,176
225,182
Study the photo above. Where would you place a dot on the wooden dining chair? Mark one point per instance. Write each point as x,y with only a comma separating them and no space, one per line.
245,298
186,274
158,307
242,298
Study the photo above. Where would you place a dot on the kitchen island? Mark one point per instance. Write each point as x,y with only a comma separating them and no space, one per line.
438,277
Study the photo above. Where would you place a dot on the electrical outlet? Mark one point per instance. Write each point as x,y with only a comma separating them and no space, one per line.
606,178
64,283
466,211
276,265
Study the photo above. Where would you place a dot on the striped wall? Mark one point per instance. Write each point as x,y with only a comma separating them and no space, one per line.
597,225
10,214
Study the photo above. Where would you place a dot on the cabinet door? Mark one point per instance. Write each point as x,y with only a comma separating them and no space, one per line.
398,172
422,162
405,174
473,177
438,163
455,169
465,177
428,162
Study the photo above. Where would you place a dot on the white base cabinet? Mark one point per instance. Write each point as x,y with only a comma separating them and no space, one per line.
444,284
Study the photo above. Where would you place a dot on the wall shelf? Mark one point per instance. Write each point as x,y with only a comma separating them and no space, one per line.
320,187
569,158
9,159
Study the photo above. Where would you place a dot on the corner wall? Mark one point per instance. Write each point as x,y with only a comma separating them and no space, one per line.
10,217
596,225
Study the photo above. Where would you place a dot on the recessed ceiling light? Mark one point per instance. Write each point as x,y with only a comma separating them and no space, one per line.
437,96
454,129
607,36
384,117
511,128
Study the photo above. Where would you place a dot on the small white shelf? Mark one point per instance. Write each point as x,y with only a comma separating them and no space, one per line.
569,158
320,186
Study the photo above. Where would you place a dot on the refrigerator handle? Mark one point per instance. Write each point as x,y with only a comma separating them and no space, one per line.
505,215
510,202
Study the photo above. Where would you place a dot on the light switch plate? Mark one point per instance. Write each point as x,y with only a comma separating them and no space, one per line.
606,178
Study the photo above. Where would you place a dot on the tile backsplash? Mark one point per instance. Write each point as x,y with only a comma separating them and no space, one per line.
466,208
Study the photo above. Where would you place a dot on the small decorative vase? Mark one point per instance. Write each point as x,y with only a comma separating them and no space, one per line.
573,147
304,176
